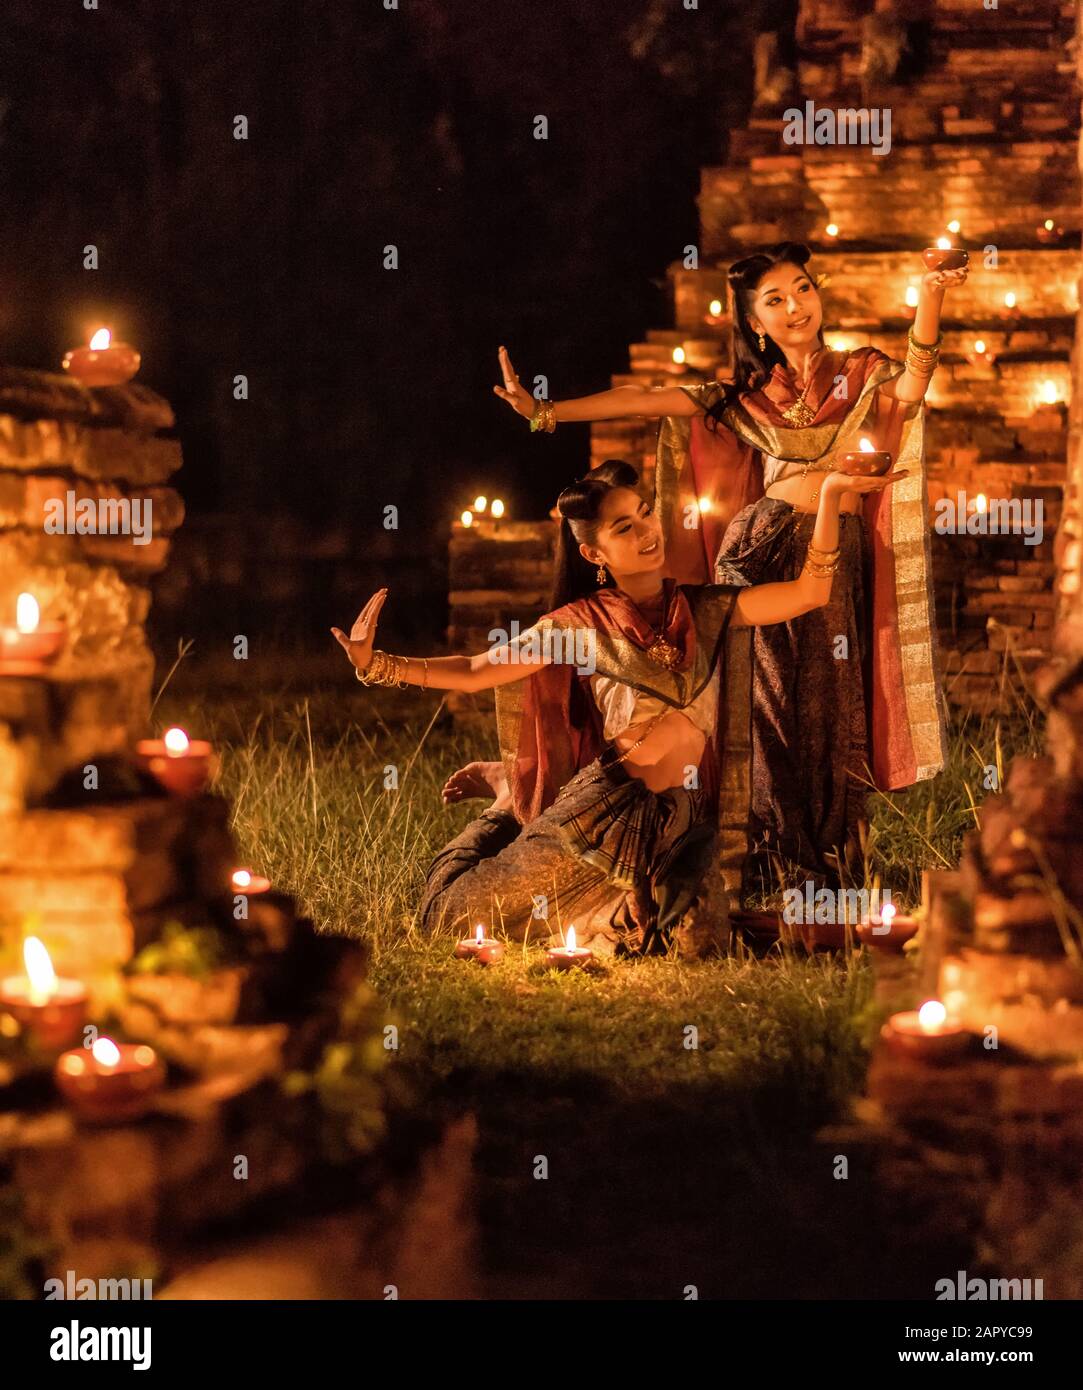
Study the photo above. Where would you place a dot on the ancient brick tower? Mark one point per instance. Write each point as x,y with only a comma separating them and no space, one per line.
982,132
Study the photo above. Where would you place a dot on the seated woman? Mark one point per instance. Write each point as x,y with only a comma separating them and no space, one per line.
611,732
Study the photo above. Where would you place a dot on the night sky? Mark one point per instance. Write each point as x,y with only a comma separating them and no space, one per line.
366,127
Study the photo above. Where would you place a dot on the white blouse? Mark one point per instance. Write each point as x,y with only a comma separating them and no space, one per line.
623,707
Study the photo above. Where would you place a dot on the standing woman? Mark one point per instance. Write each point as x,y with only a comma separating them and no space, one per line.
821,705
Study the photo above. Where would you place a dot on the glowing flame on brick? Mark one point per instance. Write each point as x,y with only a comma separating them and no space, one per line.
715,307
1009,300
832,229
39,970
678,354
1049,392
979,345
105,1052
27,613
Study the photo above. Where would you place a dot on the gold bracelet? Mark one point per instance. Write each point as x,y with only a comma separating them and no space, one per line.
924,347
823,571
822,556
544,417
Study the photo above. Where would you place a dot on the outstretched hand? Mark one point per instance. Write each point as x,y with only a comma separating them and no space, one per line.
516,395
941,280
358,646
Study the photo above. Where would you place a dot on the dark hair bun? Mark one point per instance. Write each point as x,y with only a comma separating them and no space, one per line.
581,501
749,269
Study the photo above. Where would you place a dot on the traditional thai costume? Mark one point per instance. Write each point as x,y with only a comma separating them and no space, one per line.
848,695
590,845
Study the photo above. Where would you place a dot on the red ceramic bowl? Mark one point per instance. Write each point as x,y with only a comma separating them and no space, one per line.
865,465
951,258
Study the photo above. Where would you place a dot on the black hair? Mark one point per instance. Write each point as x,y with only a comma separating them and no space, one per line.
579,505
751,367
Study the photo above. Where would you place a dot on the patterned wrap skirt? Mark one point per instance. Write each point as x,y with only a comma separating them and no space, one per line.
809,698
624,865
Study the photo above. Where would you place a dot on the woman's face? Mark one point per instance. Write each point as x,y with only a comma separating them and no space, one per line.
629,539
786,307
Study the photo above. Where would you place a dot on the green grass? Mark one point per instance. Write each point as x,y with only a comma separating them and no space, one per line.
306,776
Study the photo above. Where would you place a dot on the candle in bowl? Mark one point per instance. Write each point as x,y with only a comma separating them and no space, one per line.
926,1033
569,956
109,1081
469,946
944,256
246,882
891,933
28,647
865,462
1049,233
52,1011
182,765
102,362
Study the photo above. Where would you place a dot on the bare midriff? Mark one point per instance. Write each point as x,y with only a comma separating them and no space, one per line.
662,759
799,491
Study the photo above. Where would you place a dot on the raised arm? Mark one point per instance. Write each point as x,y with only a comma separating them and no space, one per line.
620,403
912,385
499,665
778,603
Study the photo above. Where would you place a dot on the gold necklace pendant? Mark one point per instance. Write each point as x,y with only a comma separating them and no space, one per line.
664,654
799,414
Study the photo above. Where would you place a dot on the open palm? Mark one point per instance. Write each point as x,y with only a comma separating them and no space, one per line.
358,646
516,395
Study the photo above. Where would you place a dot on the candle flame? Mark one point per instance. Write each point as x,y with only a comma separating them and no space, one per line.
715,307
832,229
242,878
1049,392
953,226
704,505
979,345
105,1052
467,518
911,297
1048,224
981,502
943,243
39,970
887,914
176,743
497,507
27,613
480,503
101,339
932,1016
570,939
678,354
866,446
1009,300
479,934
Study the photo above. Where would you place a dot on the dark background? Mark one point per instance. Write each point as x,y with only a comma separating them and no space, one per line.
264,256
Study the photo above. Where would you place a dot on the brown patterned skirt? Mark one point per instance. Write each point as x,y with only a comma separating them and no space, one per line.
809,698
622,864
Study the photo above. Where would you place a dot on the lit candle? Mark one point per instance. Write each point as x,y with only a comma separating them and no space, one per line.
926,1033
866,461
678,355
911,300
944,256
981,502
704,505
103,362
480,503
1050,394
891,933
714,309
569,956
28,647
479,947
496,508
246,882
953,228
182,765
109,1081
832,229
1010,300
51,1010
979,353
1049,233
467,519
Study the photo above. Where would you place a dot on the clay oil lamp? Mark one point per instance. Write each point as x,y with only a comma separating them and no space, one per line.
926,1034
891,933
49,1010
569,956
109,1082
182,765
31,645
944,256
102,362
866,461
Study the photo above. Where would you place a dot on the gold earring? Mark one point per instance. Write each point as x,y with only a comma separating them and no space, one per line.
763,342
602,576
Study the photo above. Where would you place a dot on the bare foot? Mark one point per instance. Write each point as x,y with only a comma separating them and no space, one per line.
479,779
